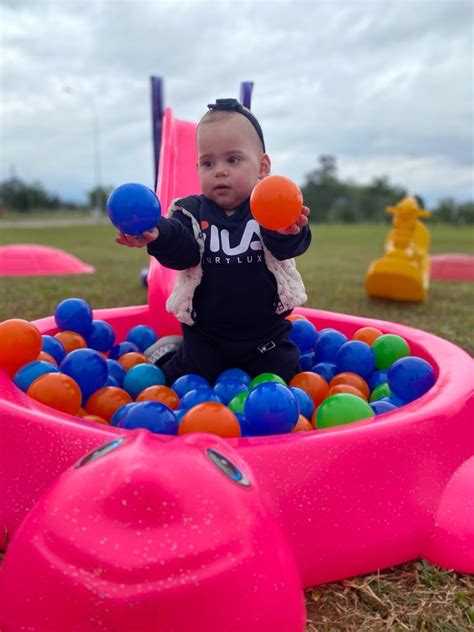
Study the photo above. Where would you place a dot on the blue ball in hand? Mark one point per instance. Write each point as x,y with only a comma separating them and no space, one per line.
133,208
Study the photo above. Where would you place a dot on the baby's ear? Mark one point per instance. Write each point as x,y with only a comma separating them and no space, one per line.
265,165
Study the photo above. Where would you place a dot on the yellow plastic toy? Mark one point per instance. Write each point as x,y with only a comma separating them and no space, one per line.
403,273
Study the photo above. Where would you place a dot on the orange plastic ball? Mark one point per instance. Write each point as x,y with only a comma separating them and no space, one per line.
47,357
71,340
276,202
347,388
367,334
302,425
131,359
82,412
57,390
353,380
106,400
313,383
210,417
96,419
158,393
293,317
20,342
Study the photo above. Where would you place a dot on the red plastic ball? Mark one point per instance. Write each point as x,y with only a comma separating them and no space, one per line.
276,202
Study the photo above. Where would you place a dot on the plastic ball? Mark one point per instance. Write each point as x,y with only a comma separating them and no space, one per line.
20,342
327,370
343,408
266,377
313,384
46,357
237,403
111,381
187,383
347,388
304,334
70,340
144,277
389,348
106,401
271,408
380,407
100,336
210,417
96,419
120,412
54,347
367,334
375,378
392,399
153,416
133,359
241,375
141,376
305,402
133,208
198,396
353,379
410,378
328,343
29,372
143,336
159,393
307,361
227,388
122,348
73,314
356,356
179,414
87,368
381,390
57,390
245,431
292,317
276,202
116,370
302,425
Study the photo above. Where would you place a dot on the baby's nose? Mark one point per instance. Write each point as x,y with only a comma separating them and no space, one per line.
221,169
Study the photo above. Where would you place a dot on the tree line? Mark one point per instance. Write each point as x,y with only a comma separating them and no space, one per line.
330,198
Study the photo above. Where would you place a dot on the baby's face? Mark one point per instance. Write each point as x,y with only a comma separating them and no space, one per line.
230,160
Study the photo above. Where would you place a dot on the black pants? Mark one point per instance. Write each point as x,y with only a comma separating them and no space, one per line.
208,355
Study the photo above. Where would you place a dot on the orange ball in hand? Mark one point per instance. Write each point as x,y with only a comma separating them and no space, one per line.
276,202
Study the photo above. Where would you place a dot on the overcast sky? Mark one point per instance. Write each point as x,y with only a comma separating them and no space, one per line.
385,86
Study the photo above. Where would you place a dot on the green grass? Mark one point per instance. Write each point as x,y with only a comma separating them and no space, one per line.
413,596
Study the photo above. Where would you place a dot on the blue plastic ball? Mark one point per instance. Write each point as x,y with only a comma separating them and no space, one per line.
142,336
111,381
328,343
375,378
304,334
153,416
116,370
379,407
241,375
121,349
187,383
410,378
307,361
356,356
88,368
179,414
142,376
245,430
271,408
100,336
197,396
28,373
327,370
54,347
133,208
396,401
227,388
74,314
120,412
305,401
144,277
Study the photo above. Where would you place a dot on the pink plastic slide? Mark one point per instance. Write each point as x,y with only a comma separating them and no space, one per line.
157,533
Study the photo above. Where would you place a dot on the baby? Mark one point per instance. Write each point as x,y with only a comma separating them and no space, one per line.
237,281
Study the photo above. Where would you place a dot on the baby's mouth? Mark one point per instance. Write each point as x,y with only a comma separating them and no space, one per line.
221,187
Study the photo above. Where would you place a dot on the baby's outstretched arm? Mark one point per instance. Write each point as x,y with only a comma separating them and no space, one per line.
138,241
295,229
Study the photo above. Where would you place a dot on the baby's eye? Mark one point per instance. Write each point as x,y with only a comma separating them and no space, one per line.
206,163
233,160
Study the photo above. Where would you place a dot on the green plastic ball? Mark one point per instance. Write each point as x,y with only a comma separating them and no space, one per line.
389,348
236,404
266,377
342,408
382,390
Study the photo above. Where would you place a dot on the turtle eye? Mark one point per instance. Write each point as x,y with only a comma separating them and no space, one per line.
229,468
100,452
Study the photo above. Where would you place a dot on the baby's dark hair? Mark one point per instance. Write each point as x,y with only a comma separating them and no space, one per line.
225,106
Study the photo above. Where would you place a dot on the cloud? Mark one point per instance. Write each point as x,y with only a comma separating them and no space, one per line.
386,87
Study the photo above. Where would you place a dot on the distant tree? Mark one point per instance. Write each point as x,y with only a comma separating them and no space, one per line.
98,197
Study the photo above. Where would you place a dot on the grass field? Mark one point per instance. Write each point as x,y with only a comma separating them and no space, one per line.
414,596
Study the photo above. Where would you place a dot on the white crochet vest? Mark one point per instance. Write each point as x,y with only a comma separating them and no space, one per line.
290,287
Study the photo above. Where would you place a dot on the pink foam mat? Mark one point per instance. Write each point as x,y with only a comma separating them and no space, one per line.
35,260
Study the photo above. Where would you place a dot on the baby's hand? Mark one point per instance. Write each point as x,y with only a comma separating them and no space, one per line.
138,241
295,228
